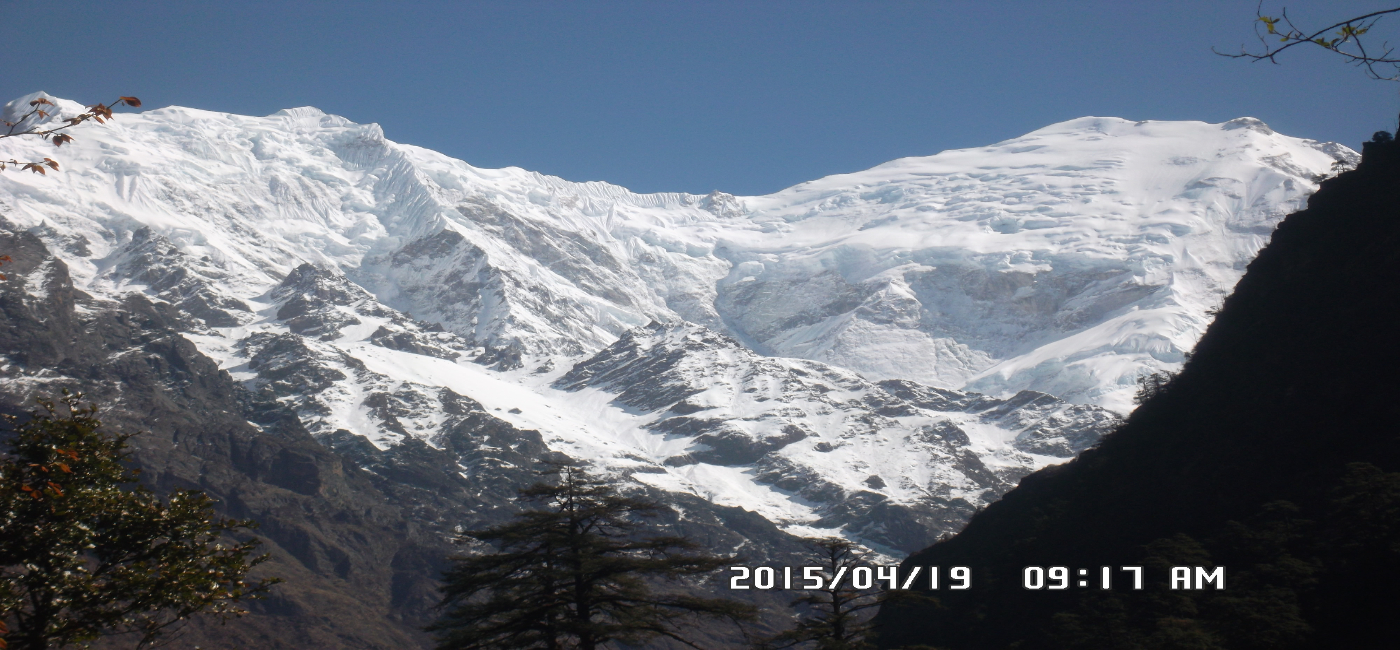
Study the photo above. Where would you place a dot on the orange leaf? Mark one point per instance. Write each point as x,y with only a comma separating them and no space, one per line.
53,164
61,138
64,467
131,101
40,100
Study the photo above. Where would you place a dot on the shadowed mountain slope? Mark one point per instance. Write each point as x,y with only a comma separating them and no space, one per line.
1272,454
360,533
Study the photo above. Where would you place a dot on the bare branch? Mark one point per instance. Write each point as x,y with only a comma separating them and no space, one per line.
1346,39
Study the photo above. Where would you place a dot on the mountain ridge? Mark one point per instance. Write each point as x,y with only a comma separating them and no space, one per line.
994,269
777,358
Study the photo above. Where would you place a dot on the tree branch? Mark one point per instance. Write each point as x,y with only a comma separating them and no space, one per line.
94,112
1347,41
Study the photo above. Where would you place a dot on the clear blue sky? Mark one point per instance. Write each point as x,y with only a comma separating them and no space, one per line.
745,97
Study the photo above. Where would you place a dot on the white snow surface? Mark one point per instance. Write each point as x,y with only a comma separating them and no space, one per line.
1069,261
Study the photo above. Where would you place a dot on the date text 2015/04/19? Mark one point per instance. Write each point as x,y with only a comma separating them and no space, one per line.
1033,578
861,577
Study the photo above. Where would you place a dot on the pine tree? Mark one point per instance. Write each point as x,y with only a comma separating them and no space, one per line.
577,573
85,554
837,618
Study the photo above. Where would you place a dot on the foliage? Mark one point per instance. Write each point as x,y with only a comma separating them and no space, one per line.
1280,561
837,618
83,555
1151,385
31,124
1345,38
576,573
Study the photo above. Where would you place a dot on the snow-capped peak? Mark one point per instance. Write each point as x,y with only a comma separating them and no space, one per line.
368,284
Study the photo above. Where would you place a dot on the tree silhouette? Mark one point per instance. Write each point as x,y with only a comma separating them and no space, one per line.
837,618
577,573
83,554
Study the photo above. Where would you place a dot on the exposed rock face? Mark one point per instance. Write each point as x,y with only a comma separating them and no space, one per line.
448,279
1273,454
360,554
359,532
1046,425
349,367
191,285
891,463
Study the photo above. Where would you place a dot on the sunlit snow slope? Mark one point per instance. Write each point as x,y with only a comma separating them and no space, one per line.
1070,260
369,284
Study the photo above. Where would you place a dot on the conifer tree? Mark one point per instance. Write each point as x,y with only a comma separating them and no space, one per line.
578,572
84,553
837,618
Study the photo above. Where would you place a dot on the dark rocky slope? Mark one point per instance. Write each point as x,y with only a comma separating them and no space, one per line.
359,534
847,447
360,552
1274,453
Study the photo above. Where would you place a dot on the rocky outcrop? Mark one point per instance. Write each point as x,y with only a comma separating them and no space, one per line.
359,532
891,463
192,285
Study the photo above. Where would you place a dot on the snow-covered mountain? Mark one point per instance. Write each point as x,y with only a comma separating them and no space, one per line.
807,354
815,446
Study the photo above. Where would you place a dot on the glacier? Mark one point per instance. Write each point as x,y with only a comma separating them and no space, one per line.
922,333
